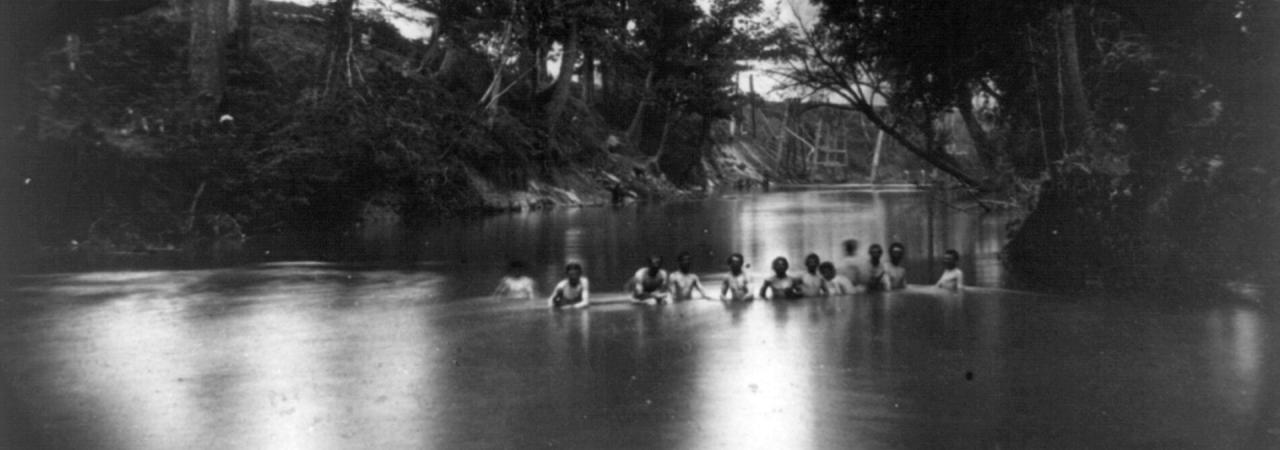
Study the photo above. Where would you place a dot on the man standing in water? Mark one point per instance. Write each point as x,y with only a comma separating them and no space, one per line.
849,265
683,281
650,282
953,277
895,274
875,272
833,284
573,291
810,280
780,284
738,286
516,284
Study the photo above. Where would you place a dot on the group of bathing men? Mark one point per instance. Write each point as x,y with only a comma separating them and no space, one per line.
654,284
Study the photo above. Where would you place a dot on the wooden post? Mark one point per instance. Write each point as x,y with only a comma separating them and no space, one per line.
782,136
751,81
930,225
875,156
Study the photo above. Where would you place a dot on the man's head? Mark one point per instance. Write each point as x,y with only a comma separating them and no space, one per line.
735,262
850,247
874,252
827,270
897,252
573,271
780,265
951,259
811,262
684,260
655,264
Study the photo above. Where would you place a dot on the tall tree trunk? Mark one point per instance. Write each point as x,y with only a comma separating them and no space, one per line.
339,61
606,79
1038,92
1081,116
568,61
637,120
539,67
588,79
207,60
244,26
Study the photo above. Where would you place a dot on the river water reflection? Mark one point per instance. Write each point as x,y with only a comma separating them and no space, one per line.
389,343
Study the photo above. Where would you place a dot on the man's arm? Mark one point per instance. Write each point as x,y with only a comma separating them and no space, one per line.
532,292
697,284
551,301
637,283
586,294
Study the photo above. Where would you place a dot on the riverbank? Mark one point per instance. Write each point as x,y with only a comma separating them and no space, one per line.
106,164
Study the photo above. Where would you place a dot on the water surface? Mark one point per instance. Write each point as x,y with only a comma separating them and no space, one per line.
386,340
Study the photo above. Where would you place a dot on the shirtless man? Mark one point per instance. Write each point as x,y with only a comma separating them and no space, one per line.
848,263
573,291
683,281
515,284
782,285
811,280
895,274
832,283
738,286
952,278
650,282
875,270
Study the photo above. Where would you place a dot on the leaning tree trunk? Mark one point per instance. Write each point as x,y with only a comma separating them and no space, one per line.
207,60
637,120
981,141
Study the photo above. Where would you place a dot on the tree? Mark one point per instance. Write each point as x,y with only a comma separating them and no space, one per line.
244,26
833,59
207,59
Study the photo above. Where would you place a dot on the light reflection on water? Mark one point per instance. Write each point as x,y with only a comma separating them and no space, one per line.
265,358
320,355
756,390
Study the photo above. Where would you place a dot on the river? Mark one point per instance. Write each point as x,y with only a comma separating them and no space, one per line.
385,338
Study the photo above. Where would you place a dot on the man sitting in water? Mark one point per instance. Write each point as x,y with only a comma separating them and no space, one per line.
895,274
650,282
683,281
952,278
515,284
573,291
848,263
833,284
782,285
810,280
738,286
875,271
